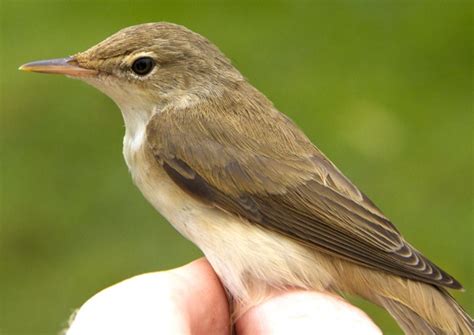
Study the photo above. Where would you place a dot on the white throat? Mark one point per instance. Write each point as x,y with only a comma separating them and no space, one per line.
135,125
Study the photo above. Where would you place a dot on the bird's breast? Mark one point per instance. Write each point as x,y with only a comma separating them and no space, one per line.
153,182
244,256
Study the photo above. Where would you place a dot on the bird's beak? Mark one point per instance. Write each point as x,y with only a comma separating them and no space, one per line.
67,66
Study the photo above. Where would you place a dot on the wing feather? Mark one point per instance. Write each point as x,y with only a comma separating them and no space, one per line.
255,163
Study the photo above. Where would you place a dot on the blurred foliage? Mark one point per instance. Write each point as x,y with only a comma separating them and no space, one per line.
385,88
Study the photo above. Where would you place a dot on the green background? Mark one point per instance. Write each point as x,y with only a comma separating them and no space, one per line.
384,88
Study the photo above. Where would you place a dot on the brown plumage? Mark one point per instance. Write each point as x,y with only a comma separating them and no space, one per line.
240,180
243,156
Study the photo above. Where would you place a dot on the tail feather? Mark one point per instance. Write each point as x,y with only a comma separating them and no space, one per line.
437,313
419,308
462,314
408,320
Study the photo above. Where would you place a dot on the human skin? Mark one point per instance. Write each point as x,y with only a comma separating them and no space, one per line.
191,300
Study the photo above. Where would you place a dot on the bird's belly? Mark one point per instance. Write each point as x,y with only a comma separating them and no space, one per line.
248,259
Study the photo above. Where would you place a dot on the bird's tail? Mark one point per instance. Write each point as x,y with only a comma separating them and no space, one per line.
447,317
420,308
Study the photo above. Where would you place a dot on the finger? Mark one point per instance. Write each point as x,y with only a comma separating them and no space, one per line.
187,300
304,312
203,301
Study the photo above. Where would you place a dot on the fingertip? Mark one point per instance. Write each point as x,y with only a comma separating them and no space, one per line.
304,312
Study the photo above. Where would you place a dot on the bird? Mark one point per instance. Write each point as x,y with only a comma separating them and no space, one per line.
240,180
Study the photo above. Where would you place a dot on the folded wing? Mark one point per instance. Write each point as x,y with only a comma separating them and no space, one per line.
257,164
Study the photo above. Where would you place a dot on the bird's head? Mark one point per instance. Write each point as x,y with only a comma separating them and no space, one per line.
148,65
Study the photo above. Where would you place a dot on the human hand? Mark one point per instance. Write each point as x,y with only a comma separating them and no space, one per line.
191,300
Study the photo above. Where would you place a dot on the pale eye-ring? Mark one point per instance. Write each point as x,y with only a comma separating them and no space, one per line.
143,65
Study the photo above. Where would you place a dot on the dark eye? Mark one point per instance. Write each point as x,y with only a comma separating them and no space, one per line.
143,65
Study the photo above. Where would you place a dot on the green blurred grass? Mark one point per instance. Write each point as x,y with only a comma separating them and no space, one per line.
384,88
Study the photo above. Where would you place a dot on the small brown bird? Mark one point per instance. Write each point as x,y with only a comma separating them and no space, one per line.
241,180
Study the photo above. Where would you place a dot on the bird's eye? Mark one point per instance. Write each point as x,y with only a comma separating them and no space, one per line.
143,65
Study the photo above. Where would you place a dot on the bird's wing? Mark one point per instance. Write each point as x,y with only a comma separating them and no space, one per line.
260,166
